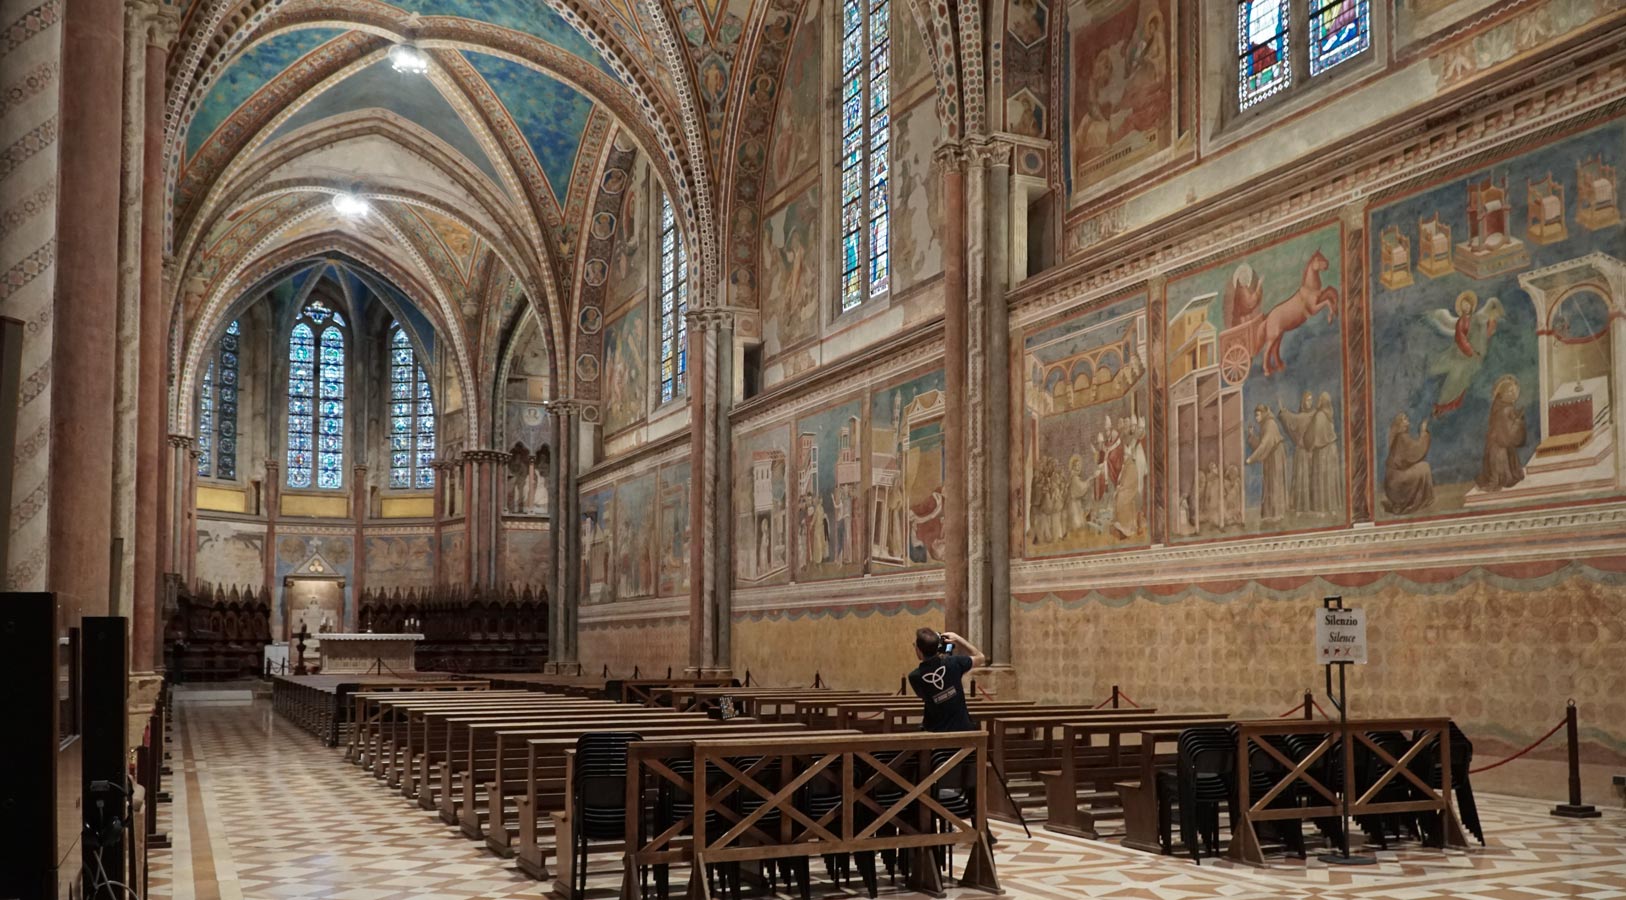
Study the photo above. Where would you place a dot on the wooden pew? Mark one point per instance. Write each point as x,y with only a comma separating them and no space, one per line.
321,705
642,690
473,754
1084,764
1138,797
541,784
871,715
1023,743
369,716
407,734
802,759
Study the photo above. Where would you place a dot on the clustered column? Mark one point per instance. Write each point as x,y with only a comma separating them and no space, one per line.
711,392
565,547
950,160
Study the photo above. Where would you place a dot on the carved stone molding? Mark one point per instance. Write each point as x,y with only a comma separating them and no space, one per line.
180,441
567,406
478,456
712,318
991,151
949,156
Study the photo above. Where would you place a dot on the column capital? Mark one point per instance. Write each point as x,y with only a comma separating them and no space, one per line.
949,156
564,406
499,456
180,441
165,27
991,151
711,318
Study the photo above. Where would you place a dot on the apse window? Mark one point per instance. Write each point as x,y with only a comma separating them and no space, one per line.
412,417
316,374
866,134
217,410
1285,44
674,305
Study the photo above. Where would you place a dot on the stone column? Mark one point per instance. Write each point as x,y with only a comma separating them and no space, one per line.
86,312
719,488
358,514
470,538
565,547
273,513
702,380
153,398
950,160
975,404
440,469
180,459
190,537
1001,424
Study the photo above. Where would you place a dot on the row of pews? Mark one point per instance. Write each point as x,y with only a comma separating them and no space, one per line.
500,760
495,757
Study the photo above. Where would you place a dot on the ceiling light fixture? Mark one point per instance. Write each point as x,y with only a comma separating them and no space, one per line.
350,205
409,60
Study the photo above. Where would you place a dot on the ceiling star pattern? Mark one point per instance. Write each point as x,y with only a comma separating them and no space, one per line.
549,113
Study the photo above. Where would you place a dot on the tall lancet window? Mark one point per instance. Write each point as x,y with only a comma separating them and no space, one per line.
412,417
674,303
866,134
316,399
217,410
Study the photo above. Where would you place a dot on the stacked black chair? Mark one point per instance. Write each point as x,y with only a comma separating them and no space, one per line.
1206,773
956,791
1328,770
1462,758
1264,773
670,806
598,793
1369,768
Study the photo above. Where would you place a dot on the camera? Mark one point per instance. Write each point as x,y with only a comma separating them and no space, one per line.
945,646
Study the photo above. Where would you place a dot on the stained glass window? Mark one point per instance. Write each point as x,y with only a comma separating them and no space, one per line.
412,417
217,410
1264,66
1339,30
866,133
674,303
316,399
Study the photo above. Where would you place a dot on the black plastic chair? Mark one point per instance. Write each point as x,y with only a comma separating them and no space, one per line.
1462,759
1206,773
1369,768
598,792
671,805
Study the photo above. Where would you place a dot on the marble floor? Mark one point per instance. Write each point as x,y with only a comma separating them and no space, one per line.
262,810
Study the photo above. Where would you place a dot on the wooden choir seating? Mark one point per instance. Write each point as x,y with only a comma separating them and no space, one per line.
883,793
465,630
216,634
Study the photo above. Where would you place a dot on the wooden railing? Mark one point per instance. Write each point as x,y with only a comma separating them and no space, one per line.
893,807
1328,799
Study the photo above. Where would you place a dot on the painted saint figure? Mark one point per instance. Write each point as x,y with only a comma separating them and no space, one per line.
1504,436
1266,442
1470,330
1326,462
1298,425
1408,481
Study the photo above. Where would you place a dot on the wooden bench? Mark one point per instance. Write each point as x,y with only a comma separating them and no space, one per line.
546,780
801,760
1096,769
412,732
368,714
475,759
320,704
1023,743
643,690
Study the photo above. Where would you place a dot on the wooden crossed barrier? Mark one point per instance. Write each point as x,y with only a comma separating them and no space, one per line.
914,821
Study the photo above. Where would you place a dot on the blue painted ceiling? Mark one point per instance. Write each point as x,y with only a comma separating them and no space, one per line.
411,97
248,73
551,114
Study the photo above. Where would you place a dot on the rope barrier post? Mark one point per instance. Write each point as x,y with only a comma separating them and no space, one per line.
1309,706
1114,696
1574,809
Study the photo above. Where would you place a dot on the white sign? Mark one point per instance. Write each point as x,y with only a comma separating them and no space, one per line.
1340,636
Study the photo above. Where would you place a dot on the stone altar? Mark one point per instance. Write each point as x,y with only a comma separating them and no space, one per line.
363,653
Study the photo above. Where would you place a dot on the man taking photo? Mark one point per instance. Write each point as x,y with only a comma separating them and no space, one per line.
938,680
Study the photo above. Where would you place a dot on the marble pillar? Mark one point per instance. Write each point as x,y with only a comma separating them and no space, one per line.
180,457
358,514
152,401
86,312
273,513
440,467
566,529
702,356
1002,423
127,362
950,160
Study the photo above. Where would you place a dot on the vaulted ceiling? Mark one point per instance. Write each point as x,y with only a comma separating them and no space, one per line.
481,171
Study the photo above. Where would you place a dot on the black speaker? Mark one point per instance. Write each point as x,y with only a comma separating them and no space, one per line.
30,808
105,766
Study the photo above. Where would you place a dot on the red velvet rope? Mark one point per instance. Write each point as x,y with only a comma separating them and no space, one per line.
1539,741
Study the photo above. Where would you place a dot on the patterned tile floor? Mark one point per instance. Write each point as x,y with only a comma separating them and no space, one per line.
261,810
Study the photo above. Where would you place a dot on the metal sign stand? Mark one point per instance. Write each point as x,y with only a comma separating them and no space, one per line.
1343,857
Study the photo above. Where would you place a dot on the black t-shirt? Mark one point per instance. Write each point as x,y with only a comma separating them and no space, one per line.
937,682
